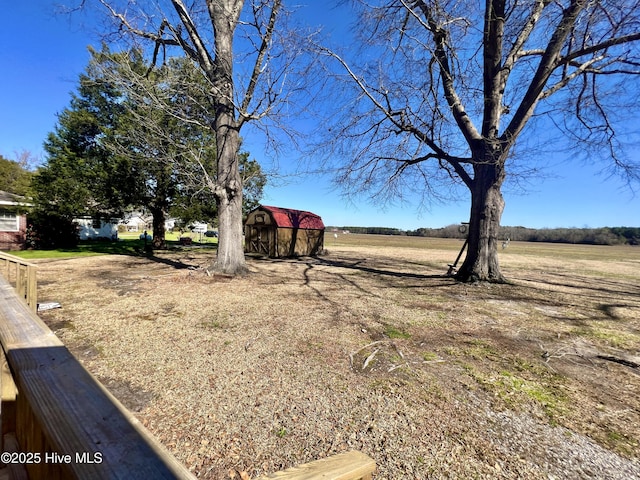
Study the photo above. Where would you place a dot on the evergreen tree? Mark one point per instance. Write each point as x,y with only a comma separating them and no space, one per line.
117,148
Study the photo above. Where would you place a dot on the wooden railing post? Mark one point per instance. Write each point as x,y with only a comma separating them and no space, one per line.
21,281
32,287
26,283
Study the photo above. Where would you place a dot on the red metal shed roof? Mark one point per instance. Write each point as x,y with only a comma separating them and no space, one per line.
288,218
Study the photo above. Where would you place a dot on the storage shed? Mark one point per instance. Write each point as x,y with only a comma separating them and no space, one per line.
283,232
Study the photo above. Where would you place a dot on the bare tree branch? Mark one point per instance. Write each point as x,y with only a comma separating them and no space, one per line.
547,65
625,39
199,52
465,124
258,66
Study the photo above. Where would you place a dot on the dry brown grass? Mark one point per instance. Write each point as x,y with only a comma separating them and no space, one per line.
369,347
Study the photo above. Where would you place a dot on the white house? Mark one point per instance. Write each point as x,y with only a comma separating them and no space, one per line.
136,222
93,228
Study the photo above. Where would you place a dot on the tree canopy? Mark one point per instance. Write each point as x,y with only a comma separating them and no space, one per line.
80,176
115,148
15,176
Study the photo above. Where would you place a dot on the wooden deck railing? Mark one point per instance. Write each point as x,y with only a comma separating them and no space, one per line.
65,423
59,422
351,465
22,275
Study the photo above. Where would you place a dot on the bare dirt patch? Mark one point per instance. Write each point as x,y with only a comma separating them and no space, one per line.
369,348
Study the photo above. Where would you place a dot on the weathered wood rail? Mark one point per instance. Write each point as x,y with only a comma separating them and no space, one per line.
59,422
22,275
351,465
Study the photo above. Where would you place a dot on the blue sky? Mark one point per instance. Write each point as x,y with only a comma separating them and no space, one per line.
41,56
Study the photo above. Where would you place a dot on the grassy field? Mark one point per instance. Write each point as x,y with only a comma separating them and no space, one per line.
369,347
129,243
173,237
561,251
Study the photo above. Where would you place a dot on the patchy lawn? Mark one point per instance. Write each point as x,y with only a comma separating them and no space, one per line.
369,347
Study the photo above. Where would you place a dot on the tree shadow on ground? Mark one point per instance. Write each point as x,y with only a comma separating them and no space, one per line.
359,265
177,264
138,248
587,293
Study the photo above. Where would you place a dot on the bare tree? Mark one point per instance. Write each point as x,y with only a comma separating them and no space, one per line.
443,90
238,48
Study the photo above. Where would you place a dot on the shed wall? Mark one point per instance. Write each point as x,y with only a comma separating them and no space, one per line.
292,242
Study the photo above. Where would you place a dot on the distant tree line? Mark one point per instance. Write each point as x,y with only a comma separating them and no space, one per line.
370,230
589,236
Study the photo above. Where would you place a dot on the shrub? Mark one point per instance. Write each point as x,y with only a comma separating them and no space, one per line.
48,231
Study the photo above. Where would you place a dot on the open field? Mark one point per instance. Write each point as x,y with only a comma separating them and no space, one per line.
369,347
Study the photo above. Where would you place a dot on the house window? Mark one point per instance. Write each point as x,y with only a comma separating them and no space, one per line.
260,218
9,222
96,222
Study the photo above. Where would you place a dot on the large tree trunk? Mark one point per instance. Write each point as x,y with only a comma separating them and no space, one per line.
228,192
487,204
158,222
228,188
230,259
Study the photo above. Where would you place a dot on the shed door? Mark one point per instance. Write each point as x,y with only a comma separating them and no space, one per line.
260,239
